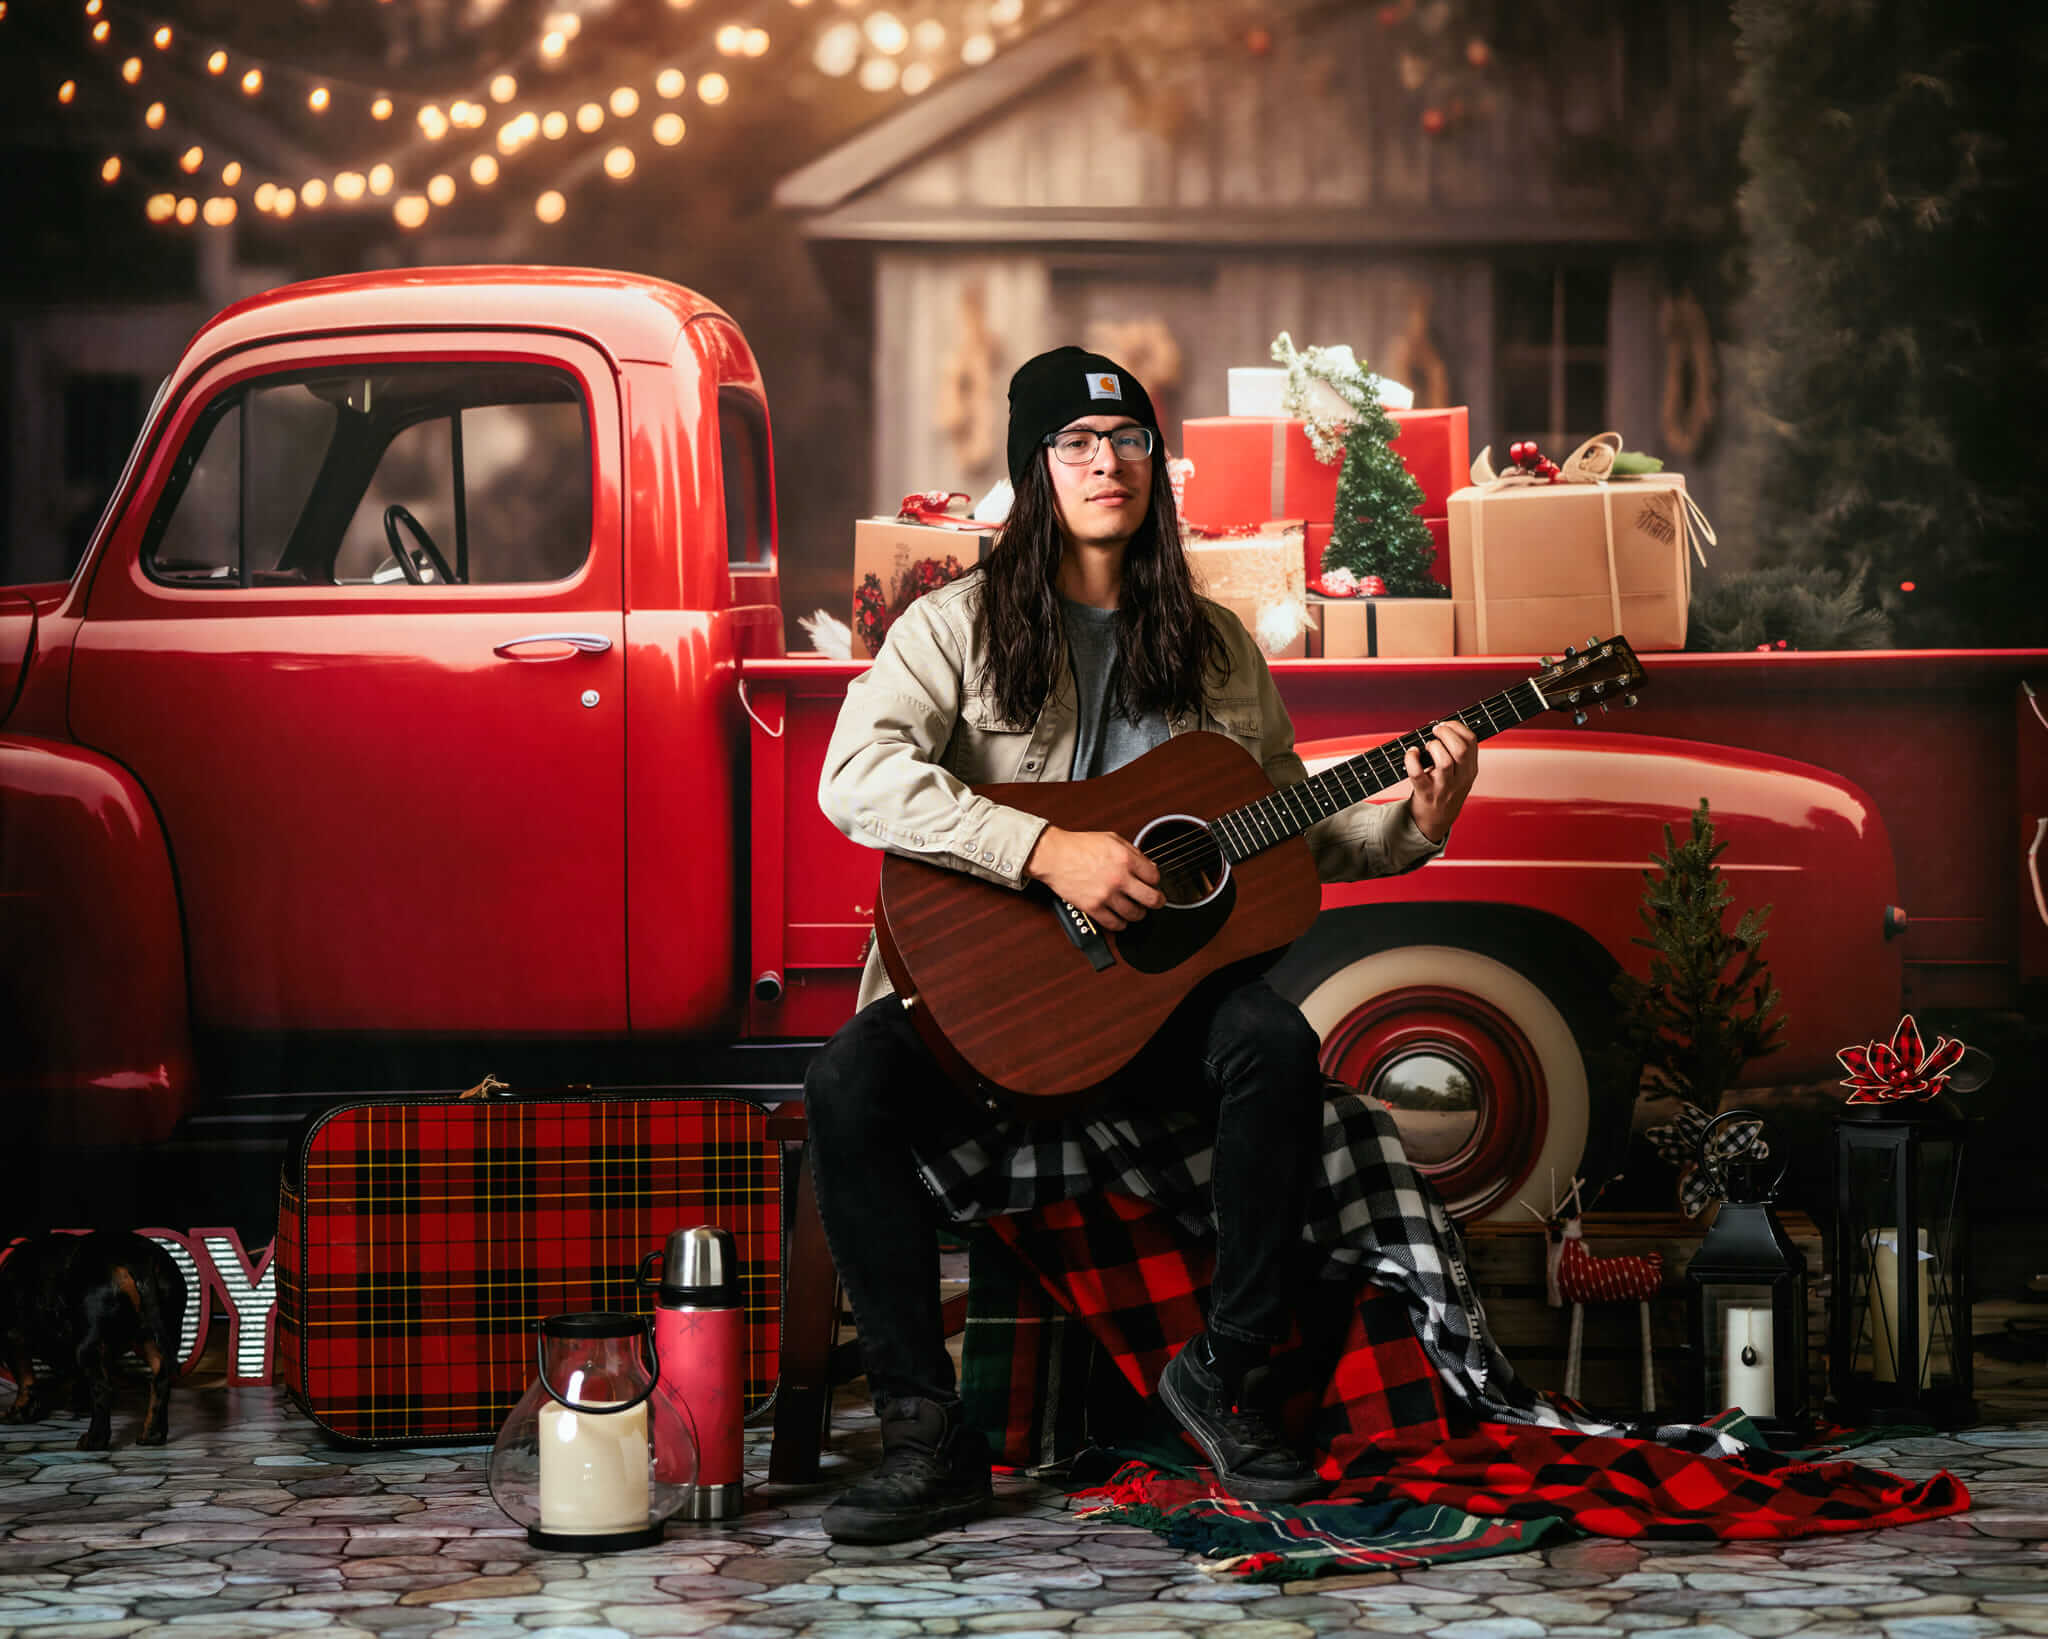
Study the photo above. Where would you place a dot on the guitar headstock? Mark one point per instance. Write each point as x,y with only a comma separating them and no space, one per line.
1605,671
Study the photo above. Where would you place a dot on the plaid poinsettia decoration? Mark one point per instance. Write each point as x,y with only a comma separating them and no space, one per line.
1885,1073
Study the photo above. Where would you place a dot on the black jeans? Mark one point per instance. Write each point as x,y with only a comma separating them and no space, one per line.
1242,1054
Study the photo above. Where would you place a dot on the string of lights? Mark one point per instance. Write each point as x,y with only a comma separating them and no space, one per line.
426,170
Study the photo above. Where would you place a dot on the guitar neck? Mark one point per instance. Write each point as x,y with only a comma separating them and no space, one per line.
1286,813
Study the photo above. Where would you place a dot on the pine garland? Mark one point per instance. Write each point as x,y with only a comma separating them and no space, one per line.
1787,607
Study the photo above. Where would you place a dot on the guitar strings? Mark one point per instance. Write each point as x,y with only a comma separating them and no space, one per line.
1191,853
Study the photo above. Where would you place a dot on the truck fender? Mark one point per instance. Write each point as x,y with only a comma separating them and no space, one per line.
1494,1009
92,951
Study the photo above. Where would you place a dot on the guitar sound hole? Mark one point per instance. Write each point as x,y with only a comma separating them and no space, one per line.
1192,869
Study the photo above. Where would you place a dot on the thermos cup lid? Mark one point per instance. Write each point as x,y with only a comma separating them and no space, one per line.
698,1268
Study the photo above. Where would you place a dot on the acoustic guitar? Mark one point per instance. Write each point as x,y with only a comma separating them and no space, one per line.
1023,995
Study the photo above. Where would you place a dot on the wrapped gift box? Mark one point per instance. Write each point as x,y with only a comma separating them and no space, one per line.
1532,569
1380,628
1248,468
1252,570
1317,538
895,563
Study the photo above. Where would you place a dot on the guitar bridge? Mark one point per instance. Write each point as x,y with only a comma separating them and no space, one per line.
1087,938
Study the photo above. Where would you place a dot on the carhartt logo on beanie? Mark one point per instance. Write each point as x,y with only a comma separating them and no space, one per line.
1061,386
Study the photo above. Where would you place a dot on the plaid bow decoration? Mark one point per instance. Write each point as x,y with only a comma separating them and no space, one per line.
1699,1180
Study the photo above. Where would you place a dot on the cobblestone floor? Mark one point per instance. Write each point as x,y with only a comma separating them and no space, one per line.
246,1524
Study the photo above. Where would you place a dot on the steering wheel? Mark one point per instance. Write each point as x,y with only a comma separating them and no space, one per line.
394,515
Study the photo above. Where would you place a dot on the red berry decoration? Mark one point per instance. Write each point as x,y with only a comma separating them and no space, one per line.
1372,586
1433,121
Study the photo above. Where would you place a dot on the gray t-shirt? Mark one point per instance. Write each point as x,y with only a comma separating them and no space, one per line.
1107,739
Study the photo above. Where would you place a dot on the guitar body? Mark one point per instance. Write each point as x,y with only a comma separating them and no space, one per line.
1008,998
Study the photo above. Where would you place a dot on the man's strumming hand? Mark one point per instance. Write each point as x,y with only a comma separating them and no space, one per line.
1439,789
1096,872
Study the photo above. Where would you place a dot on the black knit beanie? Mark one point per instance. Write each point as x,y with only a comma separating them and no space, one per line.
1061,386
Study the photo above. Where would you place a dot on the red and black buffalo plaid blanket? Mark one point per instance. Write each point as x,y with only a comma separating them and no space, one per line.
1435,1448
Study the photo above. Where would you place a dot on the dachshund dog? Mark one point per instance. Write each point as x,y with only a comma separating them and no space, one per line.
79,1302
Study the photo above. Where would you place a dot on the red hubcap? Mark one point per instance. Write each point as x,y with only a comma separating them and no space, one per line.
1510,1099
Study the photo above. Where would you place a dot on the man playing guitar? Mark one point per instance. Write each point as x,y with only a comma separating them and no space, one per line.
1078,646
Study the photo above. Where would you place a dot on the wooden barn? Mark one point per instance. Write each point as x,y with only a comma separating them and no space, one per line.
1513,249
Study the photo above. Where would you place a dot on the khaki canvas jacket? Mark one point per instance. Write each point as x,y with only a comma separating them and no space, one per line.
920,727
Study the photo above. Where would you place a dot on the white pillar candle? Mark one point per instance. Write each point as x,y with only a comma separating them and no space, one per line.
1752,1382
1884,1297
593,1470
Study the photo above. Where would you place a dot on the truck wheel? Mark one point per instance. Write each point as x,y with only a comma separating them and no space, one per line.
1486,1079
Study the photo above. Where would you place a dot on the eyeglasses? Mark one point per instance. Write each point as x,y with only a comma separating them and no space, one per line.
1074,445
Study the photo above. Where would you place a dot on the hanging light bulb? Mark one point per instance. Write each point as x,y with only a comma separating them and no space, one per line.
976,49
729,39
878,74
917,77
153,116
131,70
483,170
314,194
110,171
565,23
159,207
711,88
318,99
433,122
188,212
555,126
231,173
668,129
410,211
552,45
754,42
589,117
191,159
441,189
67,91
550,206
1003,13
503,88
100,31
349,185
94,7
265,195
669,83
885,33
218,211
380,180
217,63
161,39
252,82
625,102
929,35
618,163
285,203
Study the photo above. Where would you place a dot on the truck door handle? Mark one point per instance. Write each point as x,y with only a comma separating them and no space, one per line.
588,642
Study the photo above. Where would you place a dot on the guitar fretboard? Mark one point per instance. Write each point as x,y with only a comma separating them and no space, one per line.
1243,832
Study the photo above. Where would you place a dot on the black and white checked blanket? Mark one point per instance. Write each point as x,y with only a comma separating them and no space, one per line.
1371,1216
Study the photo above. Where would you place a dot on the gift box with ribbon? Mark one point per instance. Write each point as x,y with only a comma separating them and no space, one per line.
1256,572
1372,628
1537,564
897,560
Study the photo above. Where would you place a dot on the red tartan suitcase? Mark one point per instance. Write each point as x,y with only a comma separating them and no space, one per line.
420,1241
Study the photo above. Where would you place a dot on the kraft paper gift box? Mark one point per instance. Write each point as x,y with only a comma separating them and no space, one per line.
896,562
1380,628
1535,567
1249,468
1256,573
1317,540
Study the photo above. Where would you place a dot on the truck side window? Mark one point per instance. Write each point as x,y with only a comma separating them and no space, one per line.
743,455
304,480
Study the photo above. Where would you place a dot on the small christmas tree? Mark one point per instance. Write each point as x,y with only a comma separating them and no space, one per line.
1709,1005
1377,529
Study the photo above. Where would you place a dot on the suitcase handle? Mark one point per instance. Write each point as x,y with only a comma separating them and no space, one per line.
540,1361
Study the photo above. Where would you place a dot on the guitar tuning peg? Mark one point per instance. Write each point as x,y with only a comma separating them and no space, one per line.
1569,651
1549,660
1628,700
1603,708
1579,718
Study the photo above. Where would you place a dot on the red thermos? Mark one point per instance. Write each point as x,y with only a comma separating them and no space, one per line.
700,1334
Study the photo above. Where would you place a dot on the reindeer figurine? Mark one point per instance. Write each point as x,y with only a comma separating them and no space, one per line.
1574,1274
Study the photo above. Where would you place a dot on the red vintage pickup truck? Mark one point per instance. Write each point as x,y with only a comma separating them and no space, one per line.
420,709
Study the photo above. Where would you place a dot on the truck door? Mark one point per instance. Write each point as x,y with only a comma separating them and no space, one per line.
360,637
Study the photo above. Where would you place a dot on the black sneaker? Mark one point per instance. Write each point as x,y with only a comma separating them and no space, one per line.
1251,1457
934,1476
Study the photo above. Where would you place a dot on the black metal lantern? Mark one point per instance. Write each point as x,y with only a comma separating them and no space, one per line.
1902,1267
1746,1288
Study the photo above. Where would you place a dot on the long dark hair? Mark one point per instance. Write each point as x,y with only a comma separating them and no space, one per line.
1166,644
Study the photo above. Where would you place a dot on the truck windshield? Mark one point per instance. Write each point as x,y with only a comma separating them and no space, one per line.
430,474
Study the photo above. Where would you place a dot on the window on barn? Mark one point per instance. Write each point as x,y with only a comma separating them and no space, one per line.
1551,354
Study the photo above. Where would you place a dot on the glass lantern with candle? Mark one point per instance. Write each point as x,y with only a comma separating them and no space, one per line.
592,1459
1901,1238
1747,1290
